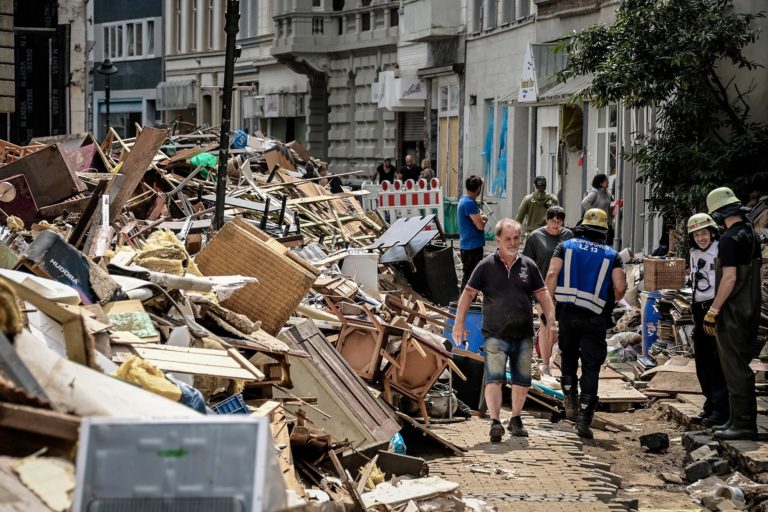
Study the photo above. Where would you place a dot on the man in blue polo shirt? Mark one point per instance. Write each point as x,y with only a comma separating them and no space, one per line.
471,228
586,277
508,281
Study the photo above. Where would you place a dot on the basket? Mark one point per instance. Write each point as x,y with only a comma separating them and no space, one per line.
283,278
232,405
667,273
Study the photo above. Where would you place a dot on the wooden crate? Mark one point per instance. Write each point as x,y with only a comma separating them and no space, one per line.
667,273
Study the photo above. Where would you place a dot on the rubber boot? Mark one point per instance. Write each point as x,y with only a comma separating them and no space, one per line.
731,415
744,424
570,397
587,406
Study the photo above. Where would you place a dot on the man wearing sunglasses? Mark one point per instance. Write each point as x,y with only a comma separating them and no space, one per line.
540,246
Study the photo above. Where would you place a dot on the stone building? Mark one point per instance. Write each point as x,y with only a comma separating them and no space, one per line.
343,47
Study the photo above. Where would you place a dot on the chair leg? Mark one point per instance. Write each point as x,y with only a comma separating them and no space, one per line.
423,407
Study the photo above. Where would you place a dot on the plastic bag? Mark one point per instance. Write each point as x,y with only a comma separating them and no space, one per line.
398,444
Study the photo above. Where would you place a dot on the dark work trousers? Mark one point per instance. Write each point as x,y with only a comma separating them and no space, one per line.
582,336
708,368
469,260
737,338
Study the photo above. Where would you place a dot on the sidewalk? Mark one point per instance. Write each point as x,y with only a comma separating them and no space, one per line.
548,470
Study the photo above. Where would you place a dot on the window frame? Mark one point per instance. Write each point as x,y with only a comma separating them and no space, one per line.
119,40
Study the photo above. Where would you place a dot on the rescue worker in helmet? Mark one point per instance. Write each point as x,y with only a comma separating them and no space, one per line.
702,239
734,314
587,278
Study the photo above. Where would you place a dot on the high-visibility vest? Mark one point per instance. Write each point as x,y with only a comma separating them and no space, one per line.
585,278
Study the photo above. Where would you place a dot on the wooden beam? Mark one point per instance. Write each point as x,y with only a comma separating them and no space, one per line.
40,421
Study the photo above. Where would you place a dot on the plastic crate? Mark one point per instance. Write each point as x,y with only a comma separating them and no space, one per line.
664,273
232,405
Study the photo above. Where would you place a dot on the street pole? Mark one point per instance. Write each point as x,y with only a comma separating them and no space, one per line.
106,99
107,69
231,27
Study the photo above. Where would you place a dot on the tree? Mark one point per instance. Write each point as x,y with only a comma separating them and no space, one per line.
680,56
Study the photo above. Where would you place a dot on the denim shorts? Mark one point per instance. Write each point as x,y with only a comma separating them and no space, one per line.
520,354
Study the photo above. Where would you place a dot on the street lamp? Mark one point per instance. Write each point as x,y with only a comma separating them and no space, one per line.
107,69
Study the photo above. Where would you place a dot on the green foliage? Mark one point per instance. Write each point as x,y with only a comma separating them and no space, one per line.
670,54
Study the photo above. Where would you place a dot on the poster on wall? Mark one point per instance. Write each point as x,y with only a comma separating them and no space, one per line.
527,91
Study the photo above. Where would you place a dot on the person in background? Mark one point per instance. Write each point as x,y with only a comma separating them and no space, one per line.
508,281
600,197
410,171
427,172
329,181
471,228
385,171
533,210
586,278
734,315
702,239
539,247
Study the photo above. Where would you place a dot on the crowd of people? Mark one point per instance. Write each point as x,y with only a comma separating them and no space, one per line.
575,278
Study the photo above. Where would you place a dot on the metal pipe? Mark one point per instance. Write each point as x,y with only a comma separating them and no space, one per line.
231,27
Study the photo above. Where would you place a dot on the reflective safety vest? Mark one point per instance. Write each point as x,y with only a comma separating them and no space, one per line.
585,277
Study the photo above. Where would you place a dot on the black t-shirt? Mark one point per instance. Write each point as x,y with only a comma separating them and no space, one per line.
335,183
386,175
737,245
411,174
507,295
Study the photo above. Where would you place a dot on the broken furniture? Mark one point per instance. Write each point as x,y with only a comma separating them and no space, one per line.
49,177
283,278
362,342
417,367
345,408
406,238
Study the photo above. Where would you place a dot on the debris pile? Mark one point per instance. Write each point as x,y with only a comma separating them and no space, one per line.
133,332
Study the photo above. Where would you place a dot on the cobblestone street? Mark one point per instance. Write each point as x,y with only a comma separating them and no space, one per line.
548,470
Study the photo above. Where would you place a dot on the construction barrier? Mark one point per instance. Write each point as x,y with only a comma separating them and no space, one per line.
399,199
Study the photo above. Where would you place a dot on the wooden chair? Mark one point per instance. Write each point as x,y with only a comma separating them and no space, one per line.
362,343
415,370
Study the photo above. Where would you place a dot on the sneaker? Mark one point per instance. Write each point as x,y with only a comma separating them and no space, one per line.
516,427
497,431
545,370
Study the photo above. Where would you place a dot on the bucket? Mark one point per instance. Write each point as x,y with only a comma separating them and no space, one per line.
472,323
732,493
649,320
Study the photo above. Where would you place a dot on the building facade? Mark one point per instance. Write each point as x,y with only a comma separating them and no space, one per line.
271,98
130,36
45,55
343,47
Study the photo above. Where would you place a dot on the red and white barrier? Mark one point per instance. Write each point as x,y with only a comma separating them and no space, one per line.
405,199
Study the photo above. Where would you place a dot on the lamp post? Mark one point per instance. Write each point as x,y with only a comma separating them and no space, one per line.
107,69
231,27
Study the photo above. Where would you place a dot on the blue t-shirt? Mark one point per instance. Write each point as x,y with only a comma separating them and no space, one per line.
471,237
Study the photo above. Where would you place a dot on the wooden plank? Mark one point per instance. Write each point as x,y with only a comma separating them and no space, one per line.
135,165
323,199
615,390
371,412
40,421
201,369
188,153
606,372
674,382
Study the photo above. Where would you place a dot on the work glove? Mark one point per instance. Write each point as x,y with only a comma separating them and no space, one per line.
710,320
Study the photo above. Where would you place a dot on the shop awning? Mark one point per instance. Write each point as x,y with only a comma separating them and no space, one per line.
176,94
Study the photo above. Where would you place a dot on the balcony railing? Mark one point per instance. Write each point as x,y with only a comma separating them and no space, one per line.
300,28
